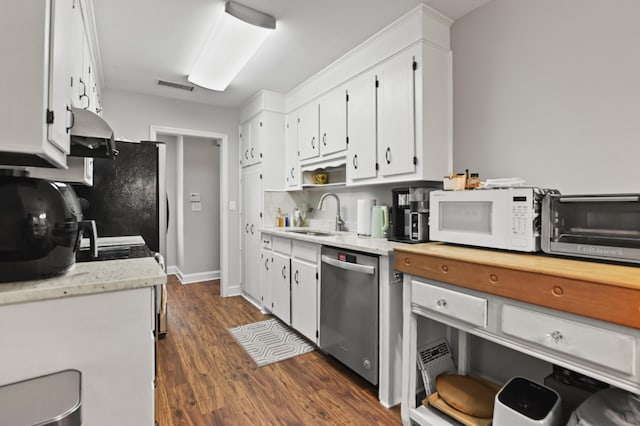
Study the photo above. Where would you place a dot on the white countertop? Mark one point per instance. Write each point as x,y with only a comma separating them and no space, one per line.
347,240
87,278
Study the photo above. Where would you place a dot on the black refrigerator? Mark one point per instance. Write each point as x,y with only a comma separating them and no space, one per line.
125,201
124,198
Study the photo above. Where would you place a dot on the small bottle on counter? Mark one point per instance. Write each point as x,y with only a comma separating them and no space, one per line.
473,181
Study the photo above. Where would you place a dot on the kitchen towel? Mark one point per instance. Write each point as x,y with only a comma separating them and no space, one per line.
363,208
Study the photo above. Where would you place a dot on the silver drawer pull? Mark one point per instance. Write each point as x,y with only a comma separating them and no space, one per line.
441,303
555,336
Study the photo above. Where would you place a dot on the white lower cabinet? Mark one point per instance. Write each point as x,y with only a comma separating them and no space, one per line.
305,259
108,337
265,277
304,298
484,326
281,286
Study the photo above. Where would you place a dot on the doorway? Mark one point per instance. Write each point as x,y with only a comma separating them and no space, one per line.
193,173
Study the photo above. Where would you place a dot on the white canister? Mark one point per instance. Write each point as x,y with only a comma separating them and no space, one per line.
363,208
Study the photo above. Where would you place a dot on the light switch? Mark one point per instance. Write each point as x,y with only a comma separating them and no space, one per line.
194,197
232,206
196,207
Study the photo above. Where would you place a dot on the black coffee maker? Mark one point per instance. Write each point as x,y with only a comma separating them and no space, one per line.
41,227
410,214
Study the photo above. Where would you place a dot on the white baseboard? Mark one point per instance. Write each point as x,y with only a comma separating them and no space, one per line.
193,278
233,291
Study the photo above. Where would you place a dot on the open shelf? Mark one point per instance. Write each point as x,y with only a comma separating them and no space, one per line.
336,177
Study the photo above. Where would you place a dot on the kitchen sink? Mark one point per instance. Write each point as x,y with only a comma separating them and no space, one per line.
313,233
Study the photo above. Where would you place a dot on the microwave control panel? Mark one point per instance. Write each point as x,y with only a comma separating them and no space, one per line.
522,218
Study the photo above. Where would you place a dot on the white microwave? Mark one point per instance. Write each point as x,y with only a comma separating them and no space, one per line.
502,218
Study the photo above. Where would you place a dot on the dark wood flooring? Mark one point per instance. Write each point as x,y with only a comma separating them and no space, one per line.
206,378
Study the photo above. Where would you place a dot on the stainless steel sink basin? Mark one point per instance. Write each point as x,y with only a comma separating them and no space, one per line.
313,233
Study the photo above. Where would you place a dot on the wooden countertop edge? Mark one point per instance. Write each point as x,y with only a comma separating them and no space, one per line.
598,272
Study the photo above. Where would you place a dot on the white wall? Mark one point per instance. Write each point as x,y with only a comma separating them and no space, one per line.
549,90
131,115
201,228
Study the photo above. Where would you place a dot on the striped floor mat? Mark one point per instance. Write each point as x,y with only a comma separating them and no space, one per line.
270,341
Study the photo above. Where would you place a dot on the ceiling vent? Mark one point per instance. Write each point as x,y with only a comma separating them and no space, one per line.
175,85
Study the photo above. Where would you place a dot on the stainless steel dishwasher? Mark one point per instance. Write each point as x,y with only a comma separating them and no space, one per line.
349,310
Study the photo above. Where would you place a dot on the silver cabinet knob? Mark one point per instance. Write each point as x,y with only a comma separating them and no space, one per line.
441,303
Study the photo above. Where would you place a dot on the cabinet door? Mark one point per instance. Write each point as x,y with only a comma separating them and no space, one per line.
308,144
245,143
251,202
265,277
333,121
361,127
292,168
396,107
60,73
304,298
255,145
78,42
281,287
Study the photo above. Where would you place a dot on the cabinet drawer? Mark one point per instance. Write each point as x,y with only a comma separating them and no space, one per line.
281,245
305,251
600,346
266,241
451,303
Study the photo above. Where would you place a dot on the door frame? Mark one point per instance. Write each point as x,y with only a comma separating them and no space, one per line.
154,131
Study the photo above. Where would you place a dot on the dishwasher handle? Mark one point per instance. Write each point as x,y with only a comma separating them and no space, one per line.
355,267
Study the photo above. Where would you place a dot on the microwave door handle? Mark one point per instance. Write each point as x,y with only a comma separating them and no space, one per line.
364,269
630,198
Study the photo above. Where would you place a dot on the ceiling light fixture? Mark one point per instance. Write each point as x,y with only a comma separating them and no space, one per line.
233,40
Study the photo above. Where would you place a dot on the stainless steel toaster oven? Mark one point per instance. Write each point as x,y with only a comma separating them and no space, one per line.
592,226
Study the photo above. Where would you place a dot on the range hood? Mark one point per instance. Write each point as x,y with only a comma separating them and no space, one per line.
91,136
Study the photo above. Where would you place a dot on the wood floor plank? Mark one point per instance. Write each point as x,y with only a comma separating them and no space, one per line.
205,377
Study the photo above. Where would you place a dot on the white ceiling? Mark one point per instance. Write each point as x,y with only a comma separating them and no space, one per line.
143,41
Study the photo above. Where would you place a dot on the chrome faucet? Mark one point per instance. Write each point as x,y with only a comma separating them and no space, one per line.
339,221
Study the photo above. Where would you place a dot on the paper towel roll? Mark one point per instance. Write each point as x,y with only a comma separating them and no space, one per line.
363,208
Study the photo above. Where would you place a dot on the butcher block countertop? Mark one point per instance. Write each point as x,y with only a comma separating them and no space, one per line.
87,278
603,291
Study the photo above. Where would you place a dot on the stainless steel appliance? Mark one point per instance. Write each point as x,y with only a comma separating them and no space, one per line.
349,310
419,226
41,223
410,214
502,218
592,226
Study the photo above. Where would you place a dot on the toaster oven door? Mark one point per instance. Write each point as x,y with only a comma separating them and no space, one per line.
601,227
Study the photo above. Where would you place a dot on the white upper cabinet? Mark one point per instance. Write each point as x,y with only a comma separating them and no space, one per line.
60,74
399,131
245,143
396,124
361,127
36,88
333,121
80,171
45,43
255,149
308,121
268,148
251,140
291,165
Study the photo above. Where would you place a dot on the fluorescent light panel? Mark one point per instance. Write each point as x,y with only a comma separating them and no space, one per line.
237,35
